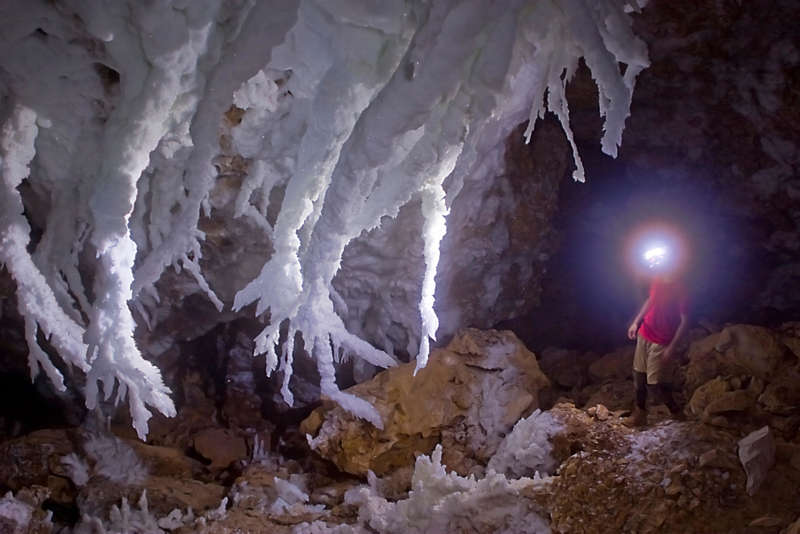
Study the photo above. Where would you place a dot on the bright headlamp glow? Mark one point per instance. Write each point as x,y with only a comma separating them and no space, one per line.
655,253
657,248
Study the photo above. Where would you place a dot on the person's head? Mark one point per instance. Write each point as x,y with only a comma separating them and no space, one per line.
660,261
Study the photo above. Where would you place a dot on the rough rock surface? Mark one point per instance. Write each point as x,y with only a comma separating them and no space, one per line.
666,477
617,365
566,368
660,479
783,394
617,395
468,396
757,454
23,514
34,459
220,447
705,395
738,349
731,401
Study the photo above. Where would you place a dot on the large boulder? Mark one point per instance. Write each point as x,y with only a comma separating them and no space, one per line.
566,368
718,396
469,395
617,365
782,395
617,395
739,349
670,477
705,395
33,459
757,454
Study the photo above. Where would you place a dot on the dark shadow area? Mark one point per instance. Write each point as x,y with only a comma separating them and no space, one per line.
592,288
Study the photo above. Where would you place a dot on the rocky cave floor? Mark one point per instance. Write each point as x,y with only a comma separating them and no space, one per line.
223,464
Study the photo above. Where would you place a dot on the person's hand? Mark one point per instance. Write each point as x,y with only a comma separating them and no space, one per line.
633,330
669,354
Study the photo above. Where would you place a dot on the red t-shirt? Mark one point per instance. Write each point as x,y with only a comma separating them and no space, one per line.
668,300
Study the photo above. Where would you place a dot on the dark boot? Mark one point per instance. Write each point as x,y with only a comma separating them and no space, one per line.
637,418
639,415
663,393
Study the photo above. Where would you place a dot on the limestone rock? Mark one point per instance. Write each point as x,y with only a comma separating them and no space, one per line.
785,451
242,405
220,446
705,395
163,496
731,401
617,365
470,394
333,494
19,516
766,521
566,368
794,528
782,395
757,454
738,349
648,479
790,335
617,395
162,461
795,461
31,459
756,386
717,458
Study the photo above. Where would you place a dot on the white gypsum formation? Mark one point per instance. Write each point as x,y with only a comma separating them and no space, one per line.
349,111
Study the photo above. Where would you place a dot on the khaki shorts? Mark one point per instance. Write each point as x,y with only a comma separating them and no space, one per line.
648,359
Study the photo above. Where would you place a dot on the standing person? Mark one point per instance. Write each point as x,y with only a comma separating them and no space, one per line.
657,329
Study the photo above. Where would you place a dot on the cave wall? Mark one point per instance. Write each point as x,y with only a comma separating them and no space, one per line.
711,147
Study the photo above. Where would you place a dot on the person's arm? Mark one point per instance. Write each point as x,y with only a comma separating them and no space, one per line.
670,352
634,329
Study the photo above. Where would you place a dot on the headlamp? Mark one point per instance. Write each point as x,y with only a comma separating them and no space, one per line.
656,256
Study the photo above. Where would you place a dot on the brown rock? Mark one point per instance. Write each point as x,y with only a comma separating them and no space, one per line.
613,395
616,365
795,461
785,451
166,494
30,459
757,454
566,368
756,386
731,401
782,395
478,373
793,343
193,417
675,487
720,421
738,349
707,457
718,458
220,446
333,494
61,489
794,528
162,461
163,496
705,395
22,515
767,521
